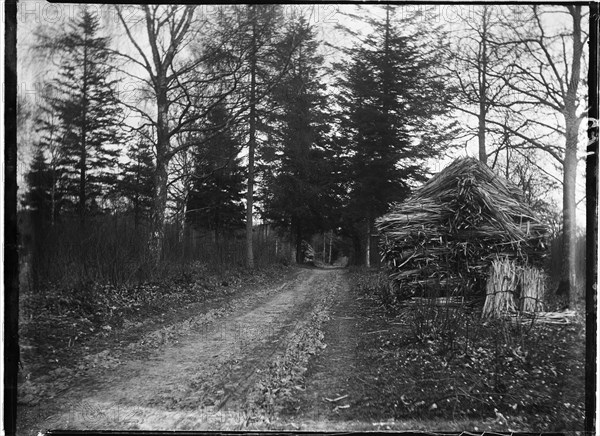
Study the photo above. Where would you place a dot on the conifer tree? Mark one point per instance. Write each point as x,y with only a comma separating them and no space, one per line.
215,201
263,28
392,102
136,183
296,173
45,169
39,194
83,98
259,38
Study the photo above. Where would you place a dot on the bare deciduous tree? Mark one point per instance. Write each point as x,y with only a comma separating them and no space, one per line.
523,77
474,56
548,75
176,80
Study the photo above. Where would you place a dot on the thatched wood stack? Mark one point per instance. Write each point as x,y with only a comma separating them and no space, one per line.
511,287
501,288
443,239
532,290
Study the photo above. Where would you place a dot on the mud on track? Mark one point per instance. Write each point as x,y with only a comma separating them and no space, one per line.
200,383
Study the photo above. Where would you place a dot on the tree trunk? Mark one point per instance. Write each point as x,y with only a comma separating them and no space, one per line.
483,88
159,205
82,176
507,171
83,151
568,283
136,213
53,197
157,220
251,145
136,202
298,239
330,244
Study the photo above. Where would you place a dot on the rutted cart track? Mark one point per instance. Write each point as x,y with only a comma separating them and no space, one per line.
201,382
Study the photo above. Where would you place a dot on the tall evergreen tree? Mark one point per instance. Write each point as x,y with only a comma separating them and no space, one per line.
83,98
392,101
264,21
137,183
39,194
259,36
215,201
296,173
46,174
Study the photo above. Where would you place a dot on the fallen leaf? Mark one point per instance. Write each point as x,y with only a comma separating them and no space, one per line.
337,399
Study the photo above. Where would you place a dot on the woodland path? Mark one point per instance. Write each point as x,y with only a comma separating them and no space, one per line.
201,382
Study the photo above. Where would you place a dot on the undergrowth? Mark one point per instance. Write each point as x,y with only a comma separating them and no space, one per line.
447,363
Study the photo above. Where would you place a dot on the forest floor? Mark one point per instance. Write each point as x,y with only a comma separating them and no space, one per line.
314,349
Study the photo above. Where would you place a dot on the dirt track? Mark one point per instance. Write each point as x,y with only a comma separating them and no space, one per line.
201,382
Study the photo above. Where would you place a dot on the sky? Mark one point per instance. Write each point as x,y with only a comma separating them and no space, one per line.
34,15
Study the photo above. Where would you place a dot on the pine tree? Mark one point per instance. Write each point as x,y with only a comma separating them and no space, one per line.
50,146
84,100
38,197
392,101
263,22
137,183
215,201
259,36
295,172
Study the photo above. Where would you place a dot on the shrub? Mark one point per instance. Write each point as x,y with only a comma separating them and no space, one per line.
112,250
